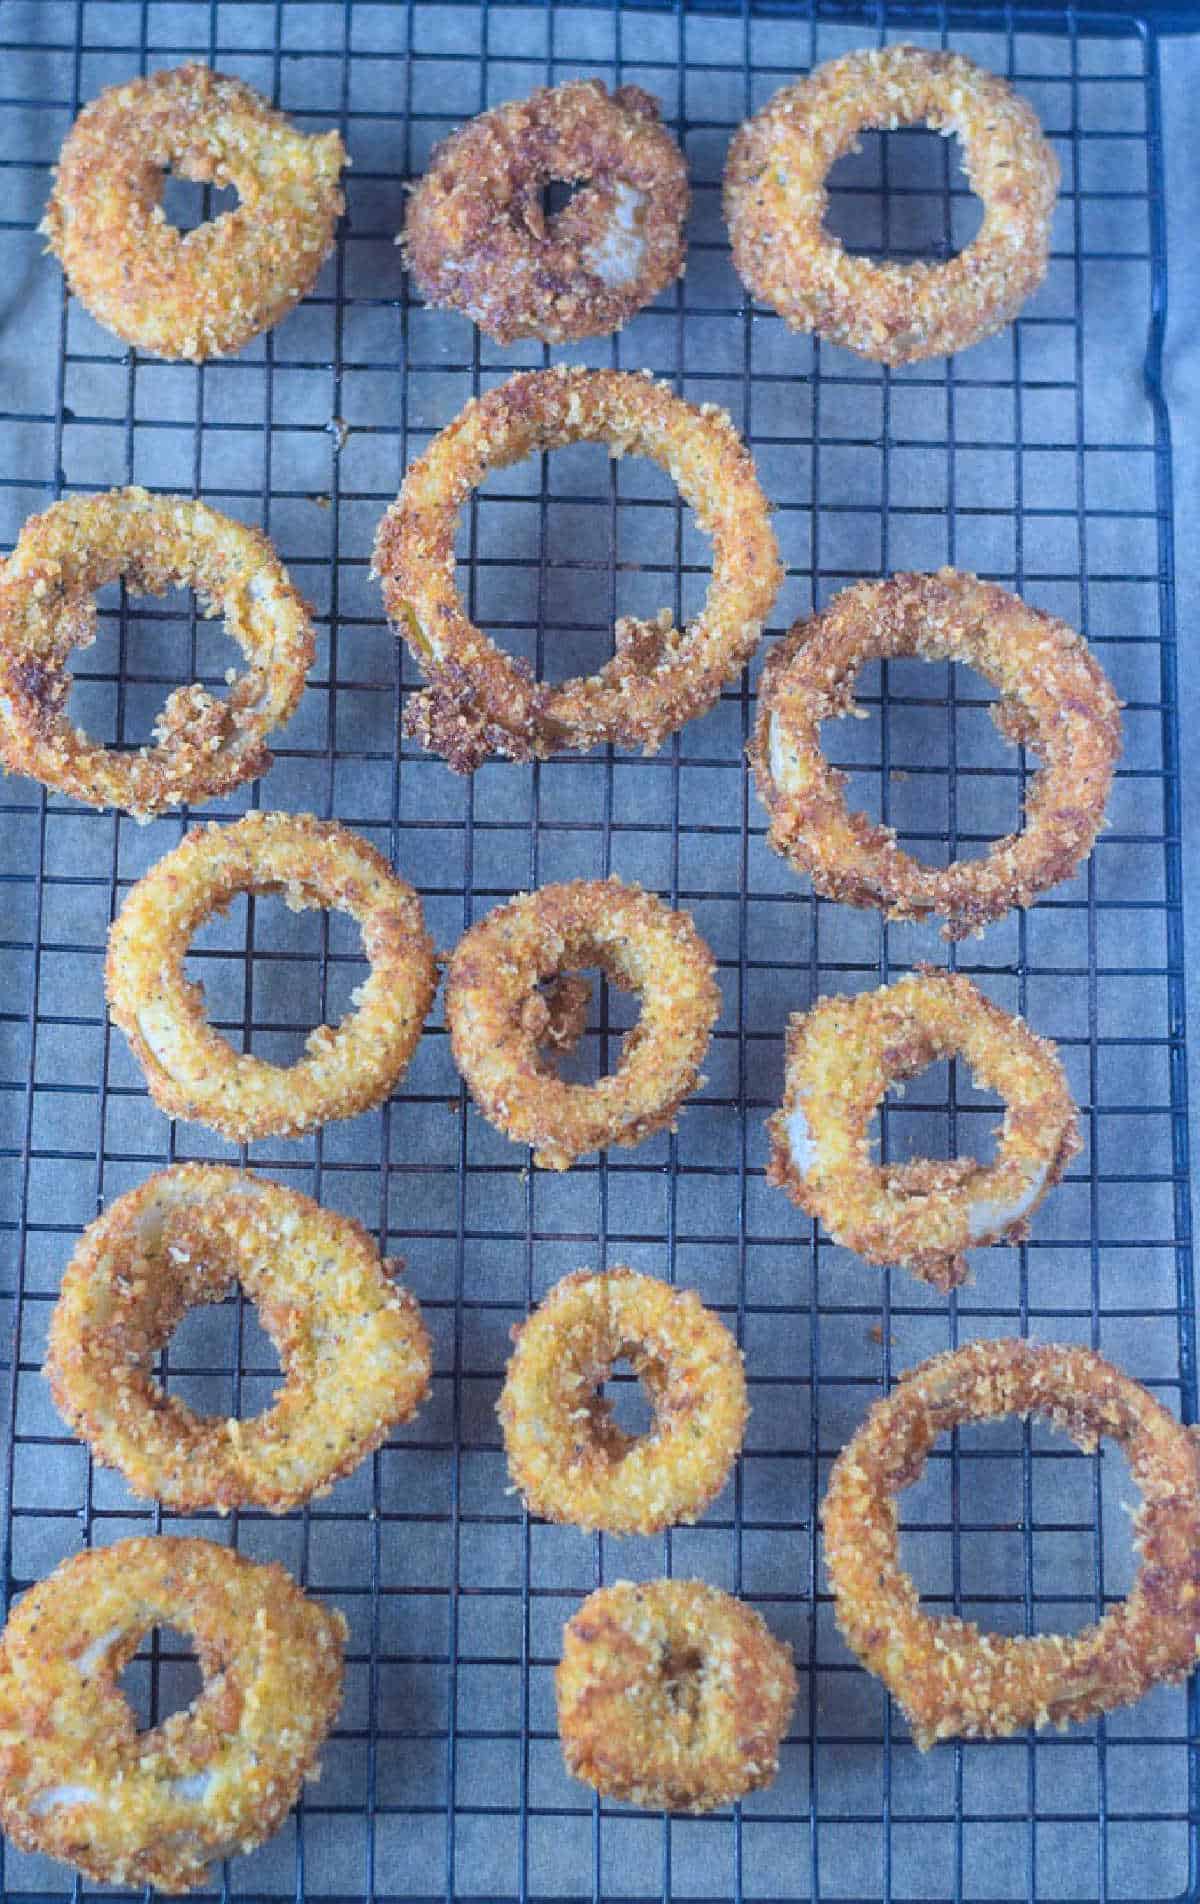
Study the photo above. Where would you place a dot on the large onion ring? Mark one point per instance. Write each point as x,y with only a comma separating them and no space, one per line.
77,1778
191,1070
201,293
1056,699
841,1057
354,1352
478,240
496,1029
775,204
206,745
479,701
672,1695
952,1680
567,1455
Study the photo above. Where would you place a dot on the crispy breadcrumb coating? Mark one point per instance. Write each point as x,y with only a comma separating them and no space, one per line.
195,1073
206,745
354,1351
567,1455
775,204
201,293
1057,700
478,240
952,1680
841,1057
672,1695
480,702
496,1040
77,1778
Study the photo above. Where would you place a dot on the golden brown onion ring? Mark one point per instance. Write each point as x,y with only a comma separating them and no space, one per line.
1056,700
201,293
479,701
478,240
952,1680
775,204
191,1070
841,1057
498,1021
77,1778
354,1352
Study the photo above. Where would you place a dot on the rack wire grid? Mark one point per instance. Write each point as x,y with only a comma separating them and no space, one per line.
1041,458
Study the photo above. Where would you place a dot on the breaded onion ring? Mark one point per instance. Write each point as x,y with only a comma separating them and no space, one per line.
842,1056
354,1352
480,701
1056,700
672,1695
191,1070
206,745
77,1778
567,1455
775,204
497,1019
952,1680
201,293
478,240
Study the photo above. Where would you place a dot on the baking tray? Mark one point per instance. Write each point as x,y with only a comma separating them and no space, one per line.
1040,458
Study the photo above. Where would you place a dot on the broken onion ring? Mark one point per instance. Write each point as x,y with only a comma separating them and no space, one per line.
206,745
672,1695
952,1680
191,1070
354,1352
775,204
1056,700
478,240
567,1455
201,293
479,701
77,1778
496,1038
841,1057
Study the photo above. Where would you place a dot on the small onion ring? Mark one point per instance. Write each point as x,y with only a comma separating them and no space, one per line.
566,1454
1056,699
481,702
77,1778
354,1351
841,1057
205,745
952,1680
201,293
191,1070
775,204
672,1695
477,238
496,1038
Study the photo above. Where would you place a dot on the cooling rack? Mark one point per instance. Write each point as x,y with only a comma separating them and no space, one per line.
1040,458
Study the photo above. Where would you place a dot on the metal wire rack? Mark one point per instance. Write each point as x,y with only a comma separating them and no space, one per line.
1042,458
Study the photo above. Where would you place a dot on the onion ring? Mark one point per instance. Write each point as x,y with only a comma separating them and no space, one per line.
205,745
1056,699
77,1778
567,1455
354,1351
841,1057
481,702
201,293
672,1695
952,1680
775,204
495,1039
191,1070
477,238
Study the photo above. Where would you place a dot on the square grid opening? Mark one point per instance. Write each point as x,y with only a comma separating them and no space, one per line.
1039,458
